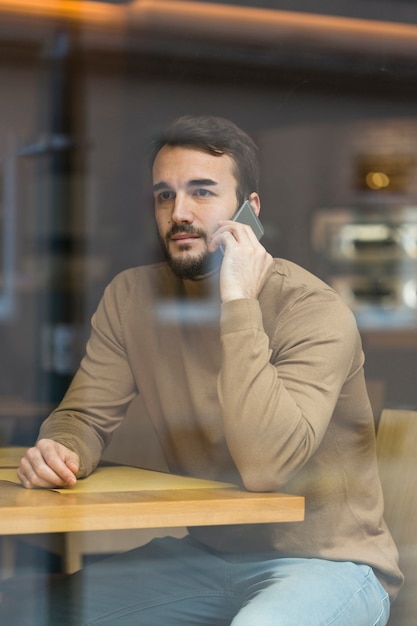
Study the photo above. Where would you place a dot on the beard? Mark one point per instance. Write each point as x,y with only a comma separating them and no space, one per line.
186,266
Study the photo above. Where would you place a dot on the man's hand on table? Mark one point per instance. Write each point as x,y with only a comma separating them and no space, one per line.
48,464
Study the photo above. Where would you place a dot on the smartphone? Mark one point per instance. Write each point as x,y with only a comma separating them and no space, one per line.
246,215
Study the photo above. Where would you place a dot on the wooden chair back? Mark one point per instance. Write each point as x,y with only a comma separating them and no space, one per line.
397,459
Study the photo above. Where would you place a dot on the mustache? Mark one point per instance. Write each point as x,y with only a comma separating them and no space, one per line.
188,229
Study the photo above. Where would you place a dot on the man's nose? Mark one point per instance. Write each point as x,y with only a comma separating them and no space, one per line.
182,210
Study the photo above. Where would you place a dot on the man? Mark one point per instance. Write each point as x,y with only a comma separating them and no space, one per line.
251,370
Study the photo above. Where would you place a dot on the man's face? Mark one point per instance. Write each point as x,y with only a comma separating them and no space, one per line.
193,190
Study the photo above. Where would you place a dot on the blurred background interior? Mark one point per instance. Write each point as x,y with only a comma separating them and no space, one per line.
327,89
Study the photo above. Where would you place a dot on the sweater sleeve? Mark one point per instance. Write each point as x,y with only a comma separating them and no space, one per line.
278,393
103,387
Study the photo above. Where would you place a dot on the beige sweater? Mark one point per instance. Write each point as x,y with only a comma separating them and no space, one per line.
269,394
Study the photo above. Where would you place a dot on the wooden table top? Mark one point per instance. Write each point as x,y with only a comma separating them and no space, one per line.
10,456
116,498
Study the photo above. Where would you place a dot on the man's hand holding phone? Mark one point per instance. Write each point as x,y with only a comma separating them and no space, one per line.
246,263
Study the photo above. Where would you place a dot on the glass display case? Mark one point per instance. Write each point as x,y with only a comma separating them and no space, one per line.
369,255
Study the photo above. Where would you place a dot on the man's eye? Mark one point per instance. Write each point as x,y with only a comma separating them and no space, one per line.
165,195
203,193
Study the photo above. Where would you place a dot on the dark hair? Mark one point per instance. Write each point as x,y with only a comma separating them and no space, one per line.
217,136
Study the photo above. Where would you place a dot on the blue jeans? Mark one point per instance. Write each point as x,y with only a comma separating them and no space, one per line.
179,582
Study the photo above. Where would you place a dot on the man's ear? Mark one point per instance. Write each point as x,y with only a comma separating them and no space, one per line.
255,201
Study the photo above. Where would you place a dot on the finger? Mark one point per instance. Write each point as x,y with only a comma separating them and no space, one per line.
221,238
239,230
30,480
63,461
231,234
40,472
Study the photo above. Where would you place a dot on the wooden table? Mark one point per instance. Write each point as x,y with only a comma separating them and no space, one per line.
167,500
117,498
10,456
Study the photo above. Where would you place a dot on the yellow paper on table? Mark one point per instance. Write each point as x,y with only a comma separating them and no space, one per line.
122,478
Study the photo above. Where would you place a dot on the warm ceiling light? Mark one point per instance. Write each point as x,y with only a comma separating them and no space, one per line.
251,26
377,180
